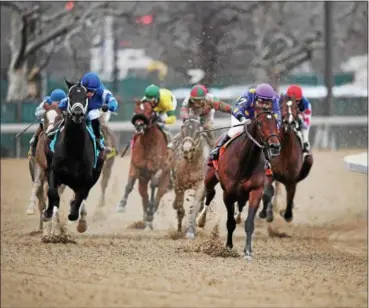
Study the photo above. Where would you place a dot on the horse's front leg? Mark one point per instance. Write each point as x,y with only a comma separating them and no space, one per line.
210,182
268,193
178,206
132,177
194,209
52,210
162,189
254,201
287,214
41,202
35,188
231,221
106,174
142,189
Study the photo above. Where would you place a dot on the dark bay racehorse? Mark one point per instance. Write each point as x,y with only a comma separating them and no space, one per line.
149,161
241,172
73,160
290,167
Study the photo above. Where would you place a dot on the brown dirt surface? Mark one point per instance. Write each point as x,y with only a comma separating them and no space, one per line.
320,262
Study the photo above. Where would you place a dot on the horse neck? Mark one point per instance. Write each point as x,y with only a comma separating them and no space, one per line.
250,153
288,139
199,151
74,136
148,138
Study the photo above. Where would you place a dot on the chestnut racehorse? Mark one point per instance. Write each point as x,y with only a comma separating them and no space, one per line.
149,161
240,170
38,164
291,166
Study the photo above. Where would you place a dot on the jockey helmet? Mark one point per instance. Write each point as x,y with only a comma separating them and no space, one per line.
264,91
57,95
198,92
91,81
152,92
294,91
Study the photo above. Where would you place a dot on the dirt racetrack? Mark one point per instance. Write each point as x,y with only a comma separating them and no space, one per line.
322,264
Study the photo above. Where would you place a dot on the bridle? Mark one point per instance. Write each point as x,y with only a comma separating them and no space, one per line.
291,121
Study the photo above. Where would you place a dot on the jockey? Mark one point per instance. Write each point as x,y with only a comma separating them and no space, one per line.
55,97
202,104
245,110
97,97
305,108
165,104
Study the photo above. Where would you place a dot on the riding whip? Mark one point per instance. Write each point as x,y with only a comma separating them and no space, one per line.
23,131
125,149
224,127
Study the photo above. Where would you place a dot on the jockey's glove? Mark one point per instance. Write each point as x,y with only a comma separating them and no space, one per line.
244,120
105,108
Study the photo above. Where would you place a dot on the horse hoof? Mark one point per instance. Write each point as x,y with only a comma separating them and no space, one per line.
82,226
288,219
190,234
248,257
45,217
270,218
72,217
262,215
238,219
200,221
148,226
30,211
121,208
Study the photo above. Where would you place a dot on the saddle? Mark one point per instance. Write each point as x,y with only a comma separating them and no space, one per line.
55,132
214,163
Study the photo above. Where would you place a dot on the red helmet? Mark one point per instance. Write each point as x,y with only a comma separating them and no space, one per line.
295,91
198,92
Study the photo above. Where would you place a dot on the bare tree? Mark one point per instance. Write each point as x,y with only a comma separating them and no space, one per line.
35,33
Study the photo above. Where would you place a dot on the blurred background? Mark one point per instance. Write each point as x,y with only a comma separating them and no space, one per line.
228,46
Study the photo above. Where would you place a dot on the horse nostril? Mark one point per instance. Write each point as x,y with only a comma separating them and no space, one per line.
275,146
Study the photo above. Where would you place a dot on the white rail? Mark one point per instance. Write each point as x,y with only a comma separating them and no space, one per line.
127,126
357,163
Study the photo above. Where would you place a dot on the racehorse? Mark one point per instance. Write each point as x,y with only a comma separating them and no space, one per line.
38,163
189,165
290,167
149,161
76,162
240,171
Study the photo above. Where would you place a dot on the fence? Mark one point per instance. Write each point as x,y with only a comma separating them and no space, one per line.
345,132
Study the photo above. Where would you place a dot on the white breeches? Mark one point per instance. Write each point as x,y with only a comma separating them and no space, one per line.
94,114
235,130
174,101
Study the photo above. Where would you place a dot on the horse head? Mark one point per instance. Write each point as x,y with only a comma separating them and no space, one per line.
77,102
267,126
52,115
190,137
289,113
144,115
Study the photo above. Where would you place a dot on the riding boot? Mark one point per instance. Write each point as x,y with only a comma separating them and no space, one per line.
305,137
96,128
215,153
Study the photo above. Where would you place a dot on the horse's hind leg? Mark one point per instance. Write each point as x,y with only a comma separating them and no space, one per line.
211,181
254,201
106,173
35,188
287,214
132,177
267,211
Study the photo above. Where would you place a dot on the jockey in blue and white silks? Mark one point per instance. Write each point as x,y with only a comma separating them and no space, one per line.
98,96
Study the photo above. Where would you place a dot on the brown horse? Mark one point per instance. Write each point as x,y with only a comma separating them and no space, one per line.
240,170
38,164
189,165
291,166
150,161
